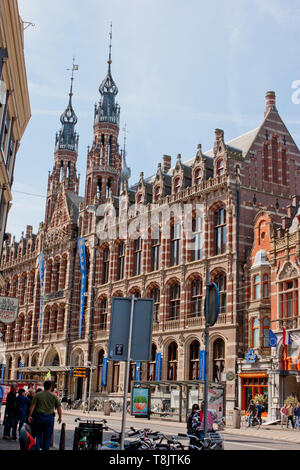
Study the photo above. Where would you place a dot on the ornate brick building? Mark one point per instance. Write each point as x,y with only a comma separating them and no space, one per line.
230,182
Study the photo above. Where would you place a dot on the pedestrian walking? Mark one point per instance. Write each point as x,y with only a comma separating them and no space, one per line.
290,415
10,418
64,402
69,403
195,408
44,404
259,412
297,415
22,407
252,412
283,414
198,421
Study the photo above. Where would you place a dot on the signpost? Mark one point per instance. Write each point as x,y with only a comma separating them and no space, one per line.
130,338
211,313
8,309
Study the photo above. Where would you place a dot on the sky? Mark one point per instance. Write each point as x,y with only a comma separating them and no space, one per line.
183,69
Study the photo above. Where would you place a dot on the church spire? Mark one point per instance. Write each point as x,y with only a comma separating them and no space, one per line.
108,110
66,138
126,171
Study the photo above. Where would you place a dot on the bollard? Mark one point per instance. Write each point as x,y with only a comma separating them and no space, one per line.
236,418
62,441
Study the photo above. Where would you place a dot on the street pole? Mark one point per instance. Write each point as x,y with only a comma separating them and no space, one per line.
206,339
90,386
127,370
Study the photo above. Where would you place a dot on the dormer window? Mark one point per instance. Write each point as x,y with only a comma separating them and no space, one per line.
157,193
198,176
220,167
177,185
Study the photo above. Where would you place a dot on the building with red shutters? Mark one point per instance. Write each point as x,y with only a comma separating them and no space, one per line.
231,183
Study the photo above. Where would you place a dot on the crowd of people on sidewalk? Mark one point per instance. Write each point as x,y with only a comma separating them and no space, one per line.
290,414
36,409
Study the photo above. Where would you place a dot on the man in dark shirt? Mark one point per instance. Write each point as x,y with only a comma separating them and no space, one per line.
22,407
44,404
10,419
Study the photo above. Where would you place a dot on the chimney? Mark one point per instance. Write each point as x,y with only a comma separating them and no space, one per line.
270,101
166,163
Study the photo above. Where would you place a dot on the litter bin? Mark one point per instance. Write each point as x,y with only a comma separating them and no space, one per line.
106,408
236,418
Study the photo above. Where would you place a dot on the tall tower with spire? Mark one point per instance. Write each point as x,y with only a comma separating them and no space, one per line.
65,156
104,160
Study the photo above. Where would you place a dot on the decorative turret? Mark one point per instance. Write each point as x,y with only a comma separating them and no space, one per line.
126,171
108,110
66,138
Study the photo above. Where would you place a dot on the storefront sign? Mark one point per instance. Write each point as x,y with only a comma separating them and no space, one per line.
140,401
251,356
8,309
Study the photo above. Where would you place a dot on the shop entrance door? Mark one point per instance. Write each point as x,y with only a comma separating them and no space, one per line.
79,388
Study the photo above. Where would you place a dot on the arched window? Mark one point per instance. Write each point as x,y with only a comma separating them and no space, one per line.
172,361
151,365
196,298
103,314
99,370
155,250
156,193
197,251
220,231
21,329
265,286
137,257
220,280
220,167
194,360
115,376
99,188
177,185
139,198
174,301
155,295
218,361
256,287
198,176
255,332
266,331
175,244
121,261
105,266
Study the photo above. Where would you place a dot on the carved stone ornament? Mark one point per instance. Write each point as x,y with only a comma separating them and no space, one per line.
288,271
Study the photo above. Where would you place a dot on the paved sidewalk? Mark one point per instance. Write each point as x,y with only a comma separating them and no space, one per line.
265,431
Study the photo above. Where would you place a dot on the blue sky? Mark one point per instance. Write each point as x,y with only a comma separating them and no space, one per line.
182,69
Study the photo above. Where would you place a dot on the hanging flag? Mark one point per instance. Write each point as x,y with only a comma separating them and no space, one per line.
138,371
272,340
20,374
290,339
158,366
201,365
48,375
41,261
2,373
82,260
104,373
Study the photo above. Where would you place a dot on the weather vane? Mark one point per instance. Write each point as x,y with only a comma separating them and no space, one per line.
74,67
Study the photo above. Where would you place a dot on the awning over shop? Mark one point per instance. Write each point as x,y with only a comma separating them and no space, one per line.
43,369
245,375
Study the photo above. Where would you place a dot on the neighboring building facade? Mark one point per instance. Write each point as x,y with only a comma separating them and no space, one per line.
230,182
14,101
273,305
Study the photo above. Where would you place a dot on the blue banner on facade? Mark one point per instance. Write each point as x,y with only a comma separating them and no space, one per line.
82,261
138,371
20,373
2,372
201,365
104,373
158,366
272,343
41,259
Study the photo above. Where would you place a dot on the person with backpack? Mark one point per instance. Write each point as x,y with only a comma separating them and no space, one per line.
252,412
22,402
189,427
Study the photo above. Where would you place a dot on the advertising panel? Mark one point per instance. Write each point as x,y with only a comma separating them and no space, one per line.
140,401
8,309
